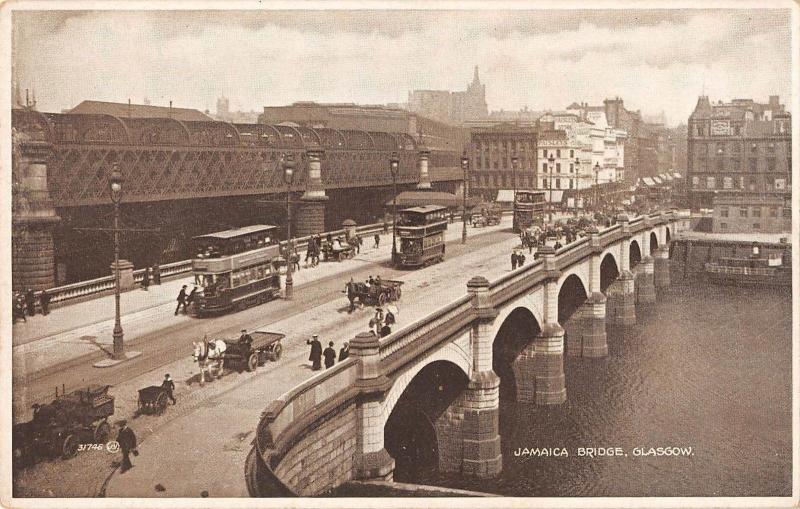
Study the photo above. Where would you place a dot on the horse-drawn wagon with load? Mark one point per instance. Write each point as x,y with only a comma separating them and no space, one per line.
60,427
376,293
248,351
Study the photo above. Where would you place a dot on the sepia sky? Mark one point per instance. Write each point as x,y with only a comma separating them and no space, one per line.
655,60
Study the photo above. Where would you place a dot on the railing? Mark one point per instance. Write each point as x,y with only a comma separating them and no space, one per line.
84,289
742,271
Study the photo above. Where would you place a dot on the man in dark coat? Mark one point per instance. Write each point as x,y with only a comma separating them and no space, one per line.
521,259
513,260
30,301
44,300
127,443
330,355
377,240
181,300
169,386
316,352
344,352
191,297
146,278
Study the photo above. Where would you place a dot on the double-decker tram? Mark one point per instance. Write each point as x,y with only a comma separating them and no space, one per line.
234,268
421,232
528,209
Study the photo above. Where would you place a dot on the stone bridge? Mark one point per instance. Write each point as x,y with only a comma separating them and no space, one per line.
441,376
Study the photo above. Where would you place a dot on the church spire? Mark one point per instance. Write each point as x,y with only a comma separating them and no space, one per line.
475,79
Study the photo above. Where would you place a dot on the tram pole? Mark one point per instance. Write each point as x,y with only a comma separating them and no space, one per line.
288,177
464,168
115,188
394,167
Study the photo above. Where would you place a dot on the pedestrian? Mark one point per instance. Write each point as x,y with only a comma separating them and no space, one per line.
44,300
344,352
30,301
521,260
385,226
513,260
19,308
377,320
557,245
156,274
295,259
330,355
126,439
377,240
316,352
169,386
181,300
190,300
146,278
452,217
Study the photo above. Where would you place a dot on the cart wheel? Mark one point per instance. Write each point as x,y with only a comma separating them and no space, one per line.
101,432
262,357
161,403
397,293
70,447
381,299
276,352
252,362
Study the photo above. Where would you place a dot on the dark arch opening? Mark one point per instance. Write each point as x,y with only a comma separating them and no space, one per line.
410,434
518,330
653,243
634,254
570,298
609,272
667,235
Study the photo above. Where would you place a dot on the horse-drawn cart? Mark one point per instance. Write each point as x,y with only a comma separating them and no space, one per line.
337,251
60,427
153,400
379,293
250,354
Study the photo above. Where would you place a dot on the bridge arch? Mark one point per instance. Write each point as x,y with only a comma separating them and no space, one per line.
653,242
516,332
572,294
667,234
634,253
419,431
609,271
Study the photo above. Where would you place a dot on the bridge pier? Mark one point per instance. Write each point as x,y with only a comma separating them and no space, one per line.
645,289
621,300
311,209
661,267
480,429
588,339
33,252
548,366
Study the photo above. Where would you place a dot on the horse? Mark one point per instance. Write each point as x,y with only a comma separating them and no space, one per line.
209,356
355,291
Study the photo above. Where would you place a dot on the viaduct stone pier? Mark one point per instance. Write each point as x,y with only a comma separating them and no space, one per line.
434,386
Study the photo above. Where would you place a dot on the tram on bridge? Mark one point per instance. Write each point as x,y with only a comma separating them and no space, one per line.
421,231
235,268
528,209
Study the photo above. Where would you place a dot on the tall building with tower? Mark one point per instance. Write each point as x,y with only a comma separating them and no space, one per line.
451,107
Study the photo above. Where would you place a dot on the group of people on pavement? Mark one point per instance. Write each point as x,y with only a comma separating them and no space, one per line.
185,300
24,304
317,353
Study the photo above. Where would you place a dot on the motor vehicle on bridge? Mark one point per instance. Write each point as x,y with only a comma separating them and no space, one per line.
236,268
421,231
60,427
528,209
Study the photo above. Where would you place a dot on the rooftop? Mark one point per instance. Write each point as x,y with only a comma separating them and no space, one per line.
124,110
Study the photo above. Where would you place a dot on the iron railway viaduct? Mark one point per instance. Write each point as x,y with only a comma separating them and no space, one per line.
185,178
443,374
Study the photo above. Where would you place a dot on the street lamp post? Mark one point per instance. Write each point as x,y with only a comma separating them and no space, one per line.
288,178
465,169
115,182
394,167
551,161
514,162
596,184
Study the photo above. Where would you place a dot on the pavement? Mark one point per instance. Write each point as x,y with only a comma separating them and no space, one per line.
221,409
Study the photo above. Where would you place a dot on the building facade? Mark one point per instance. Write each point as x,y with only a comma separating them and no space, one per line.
451,107
492,150
744,213
740,147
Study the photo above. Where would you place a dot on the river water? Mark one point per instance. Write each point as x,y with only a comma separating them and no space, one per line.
706,367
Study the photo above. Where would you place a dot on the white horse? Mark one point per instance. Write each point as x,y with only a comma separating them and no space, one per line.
209,356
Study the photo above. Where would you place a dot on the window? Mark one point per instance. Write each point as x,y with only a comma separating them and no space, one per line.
571,153
544,167
727,183
544,153
736,164
558,167
773,212
770,164
723,226
723,212
558,152
743,212
558,183
570,183
720,164
711,182
756,226
544,184
756,211
695,182
753,164
571,167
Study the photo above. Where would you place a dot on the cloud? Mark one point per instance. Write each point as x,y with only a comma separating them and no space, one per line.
656,60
